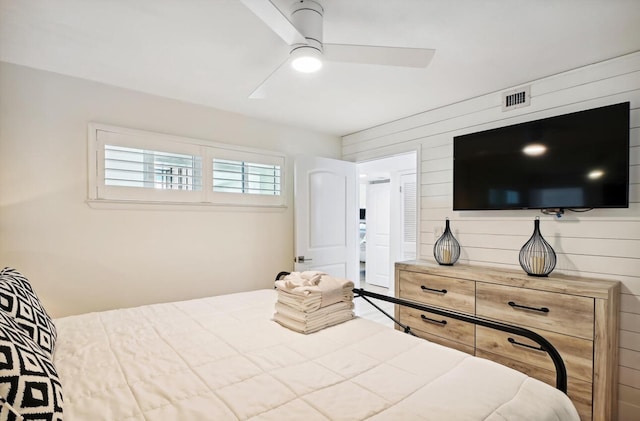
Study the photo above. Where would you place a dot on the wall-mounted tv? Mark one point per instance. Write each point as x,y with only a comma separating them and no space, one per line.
572,161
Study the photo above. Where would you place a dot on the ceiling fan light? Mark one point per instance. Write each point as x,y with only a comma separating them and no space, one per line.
306,59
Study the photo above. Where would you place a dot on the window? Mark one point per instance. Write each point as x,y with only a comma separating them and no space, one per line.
245,177
135,166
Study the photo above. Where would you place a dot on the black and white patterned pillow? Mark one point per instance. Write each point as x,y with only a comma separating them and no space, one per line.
18,299
29,385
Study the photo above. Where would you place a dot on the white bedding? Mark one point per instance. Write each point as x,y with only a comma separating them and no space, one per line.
224,358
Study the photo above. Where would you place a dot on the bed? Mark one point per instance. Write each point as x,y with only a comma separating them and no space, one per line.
224,358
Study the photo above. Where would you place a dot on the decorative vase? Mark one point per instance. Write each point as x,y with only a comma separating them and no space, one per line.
446,250
537,257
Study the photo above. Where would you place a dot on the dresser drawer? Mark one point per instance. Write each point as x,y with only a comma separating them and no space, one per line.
443,327
469,349
441,291
576,353
562,313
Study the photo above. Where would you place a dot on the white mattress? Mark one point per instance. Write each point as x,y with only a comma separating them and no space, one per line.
224,358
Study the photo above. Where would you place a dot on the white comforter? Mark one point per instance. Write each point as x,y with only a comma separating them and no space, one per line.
224,358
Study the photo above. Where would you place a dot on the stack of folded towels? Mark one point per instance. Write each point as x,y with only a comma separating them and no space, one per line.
310,301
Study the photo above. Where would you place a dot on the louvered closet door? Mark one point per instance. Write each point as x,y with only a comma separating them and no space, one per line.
409,215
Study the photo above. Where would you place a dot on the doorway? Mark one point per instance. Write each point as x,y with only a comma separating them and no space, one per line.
388,218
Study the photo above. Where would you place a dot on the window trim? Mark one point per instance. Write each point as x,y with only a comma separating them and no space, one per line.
98,192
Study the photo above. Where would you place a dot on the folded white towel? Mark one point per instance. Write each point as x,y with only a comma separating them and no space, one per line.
309,303
313,316
305,286
307,278
332,289
314,300
297,291
331,319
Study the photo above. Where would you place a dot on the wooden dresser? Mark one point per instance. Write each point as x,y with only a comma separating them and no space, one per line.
579,316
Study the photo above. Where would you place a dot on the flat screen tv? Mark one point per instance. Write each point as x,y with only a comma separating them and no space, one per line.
572,161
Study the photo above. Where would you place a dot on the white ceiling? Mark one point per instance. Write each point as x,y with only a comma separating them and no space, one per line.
215,52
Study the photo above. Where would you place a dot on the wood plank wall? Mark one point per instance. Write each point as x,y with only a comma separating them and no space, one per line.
603,243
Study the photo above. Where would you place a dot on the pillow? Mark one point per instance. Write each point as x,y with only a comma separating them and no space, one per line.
29,385
18,299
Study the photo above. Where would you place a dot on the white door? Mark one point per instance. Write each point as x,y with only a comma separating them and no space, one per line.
378,233
326,217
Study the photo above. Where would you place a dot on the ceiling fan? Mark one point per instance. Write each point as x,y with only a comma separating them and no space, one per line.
303,32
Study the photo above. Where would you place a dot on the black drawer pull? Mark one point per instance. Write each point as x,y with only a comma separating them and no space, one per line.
427,319
541,309
514,342
439,291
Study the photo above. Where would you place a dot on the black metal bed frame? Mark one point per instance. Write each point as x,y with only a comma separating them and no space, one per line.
561,370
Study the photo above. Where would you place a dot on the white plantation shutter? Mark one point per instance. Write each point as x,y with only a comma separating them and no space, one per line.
151,169
136,166
240,177
245,177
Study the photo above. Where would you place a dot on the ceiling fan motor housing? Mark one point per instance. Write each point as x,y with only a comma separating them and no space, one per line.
306,16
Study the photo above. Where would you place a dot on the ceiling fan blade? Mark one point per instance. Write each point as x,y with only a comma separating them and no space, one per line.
275,20
386,56
260,92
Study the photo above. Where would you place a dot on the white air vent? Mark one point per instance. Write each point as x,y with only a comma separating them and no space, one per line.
516,98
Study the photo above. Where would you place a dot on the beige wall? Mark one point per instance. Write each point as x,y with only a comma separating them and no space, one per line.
603,243
81,259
